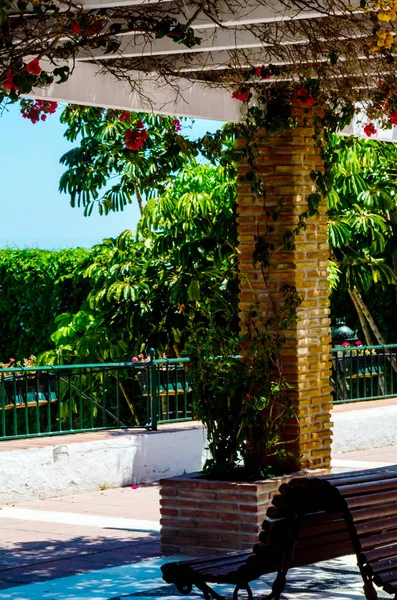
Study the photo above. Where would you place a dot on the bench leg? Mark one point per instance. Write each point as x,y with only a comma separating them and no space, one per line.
208,592
369,590
242,587
277,587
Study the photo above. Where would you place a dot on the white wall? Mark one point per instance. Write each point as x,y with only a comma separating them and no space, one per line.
364,429
59,469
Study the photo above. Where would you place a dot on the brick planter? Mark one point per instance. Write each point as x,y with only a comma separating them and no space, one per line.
199,516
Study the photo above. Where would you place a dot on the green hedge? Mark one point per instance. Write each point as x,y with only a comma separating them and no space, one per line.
35,286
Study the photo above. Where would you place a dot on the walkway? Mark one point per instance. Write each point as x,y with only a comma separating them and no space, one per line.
105,546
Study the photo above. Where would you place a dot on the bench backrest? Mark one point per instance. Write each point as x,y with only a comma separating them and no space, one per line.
336,515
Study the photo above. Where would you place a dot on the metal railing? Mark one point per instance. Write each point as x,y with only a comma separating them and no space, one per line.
53,400
364,373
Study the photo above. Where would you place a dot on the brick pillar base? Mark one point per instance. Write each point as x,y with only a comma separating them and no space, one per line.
286,162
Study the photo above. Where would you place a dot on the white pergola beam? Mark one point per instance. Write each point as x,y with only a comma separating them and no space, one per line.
137,46
219,40
179,97
221,61
253,12
98,4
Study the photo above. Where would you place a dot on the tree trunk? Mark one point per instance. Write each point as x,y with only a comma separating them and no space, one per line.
372,323
139,199
368,316
363,322
394,260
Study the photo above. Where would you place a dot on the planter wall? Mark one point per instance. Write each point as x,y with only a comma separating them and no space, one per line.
199,516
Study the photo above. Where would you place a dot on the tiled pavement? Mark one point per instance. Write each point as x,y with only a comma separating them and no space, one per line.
105,545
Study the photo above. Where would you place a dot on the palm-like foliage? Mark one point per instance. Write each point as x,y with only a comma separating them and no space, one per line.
362,204
143,286
103,172
362,210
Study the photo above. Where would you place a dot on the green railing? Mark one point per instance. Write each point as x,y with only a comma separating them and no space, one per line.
364,373
53,400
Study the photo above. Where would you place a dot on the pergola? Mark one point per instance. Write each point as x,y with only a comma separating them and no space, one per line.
165,76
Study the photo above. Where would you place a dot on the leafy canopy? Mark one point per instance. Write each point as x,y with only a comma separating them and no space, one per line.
181,264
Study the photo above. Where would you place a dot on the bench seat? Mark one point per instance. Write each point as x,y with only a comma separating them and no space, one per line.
311,520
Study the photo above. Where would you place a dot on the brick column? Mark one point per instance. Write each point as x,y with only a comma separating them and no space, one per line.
286,162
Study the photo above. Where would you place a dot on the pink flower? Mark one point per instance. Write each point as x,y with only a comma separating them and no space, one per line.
134,487
11,360
177,125
134,359
358,343
345,345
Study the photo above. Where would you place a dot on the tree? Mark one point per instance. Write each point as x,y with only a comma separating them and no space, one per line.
122,156
363,218
144,286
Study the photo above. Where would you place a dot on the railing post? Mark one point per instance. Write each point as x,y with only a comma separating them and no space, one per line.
153,388
153,395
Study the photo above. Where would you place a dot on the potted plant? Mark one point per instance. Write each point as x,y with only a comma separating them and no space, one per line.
243,403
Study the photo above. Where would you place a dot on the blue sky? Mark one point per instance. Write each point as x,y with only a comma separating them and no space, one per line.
33,213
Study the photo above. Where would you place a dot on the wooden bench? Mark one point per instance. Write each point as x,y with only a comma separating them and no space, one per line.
311,520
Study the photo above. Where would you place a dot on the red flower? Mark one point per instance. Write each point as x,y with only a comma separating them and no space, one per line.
177,125
33,67
140,124
310,101
242,96
358,343
302,92
135,139
247,397
261,73
10,85
304,98
38,110
393,117
76,27
369,129
51,107
182,307
125,115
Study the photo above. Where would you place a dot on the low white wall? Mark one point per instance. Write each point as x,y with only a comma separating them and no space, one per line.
364,429
60,469
57,469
